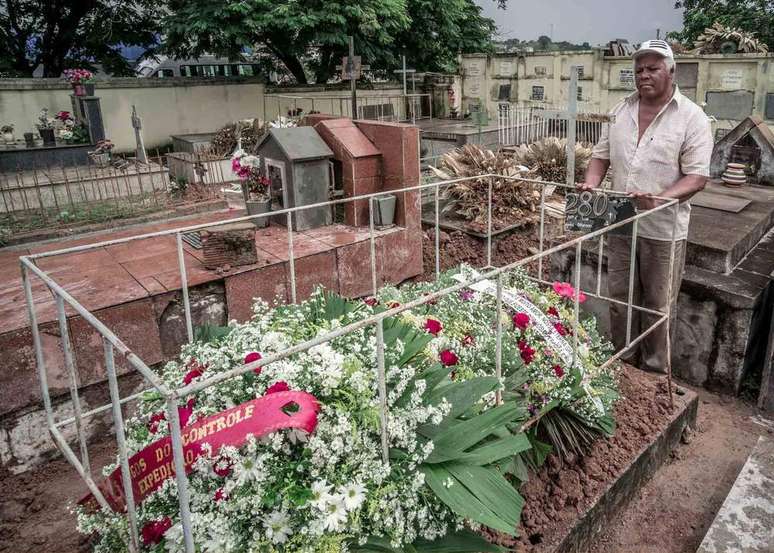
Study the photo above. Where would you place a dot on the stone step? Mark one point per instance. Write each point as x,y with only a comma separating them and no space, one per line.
745,523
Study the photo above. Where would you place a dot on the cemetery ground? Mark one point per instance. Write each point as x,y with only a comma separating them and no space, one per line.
670,513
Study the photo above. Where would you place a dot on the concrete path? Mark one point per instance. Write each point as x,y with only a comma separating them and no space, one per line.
745,523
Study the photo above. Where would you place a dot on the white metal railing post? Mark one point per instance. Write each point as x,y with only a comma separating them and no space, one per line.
70,363
632,266
118,421
576,302
542,230
670,300
499,339
372,235
437,234
40,360
178,455
184,287
291,258
489,225
600,253
382,383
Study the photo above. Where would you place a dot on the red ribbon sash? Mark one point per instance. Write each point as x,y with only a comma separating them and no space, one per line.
153,465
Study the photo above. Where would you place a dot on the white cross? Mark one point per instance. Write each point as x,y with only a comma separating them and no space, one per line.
571,116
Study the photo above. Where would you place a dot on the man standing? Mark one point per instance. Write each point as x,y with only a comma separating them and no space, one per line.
659,145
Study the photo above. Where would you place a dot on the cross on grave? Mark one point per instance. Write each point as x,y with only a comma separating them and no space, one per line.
137,125
405,72
352,68
571,116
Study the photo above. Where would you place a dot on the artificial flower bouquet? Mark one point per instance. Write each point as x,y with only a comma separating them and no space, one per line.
248,168
456,454
78,76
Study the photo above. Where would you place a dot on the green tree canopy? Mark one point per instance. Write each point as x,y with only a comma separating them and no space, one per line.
756,16
309,37
61,33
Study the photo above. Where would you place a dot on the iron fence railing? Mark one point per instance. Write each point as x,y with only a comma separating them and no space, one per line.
112,343
391,107
525,123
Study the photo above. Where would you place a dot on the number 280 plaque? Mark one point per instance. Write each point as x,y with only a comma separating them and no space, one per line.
588,211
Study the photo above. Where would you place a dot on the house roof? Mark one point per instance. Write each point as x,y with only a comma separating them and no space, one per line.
349,137
299,143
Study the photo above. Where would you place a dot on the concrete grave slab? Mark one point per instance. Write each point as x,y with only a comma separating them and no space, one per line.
745,523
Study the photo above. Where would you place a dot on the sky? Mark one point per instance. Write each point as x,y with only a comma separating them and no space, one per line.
592,21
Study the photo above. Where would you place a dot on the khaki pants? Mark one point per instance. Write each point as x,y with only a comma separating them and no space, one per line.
651,281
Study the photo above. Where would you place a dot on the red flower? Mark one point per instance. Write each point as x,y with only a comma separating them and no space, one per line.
280,386
521,321
154,531
371,301
565,290
448,358
185,412
560,329
156,418
220,495
222,469
251,358
552,311
193,373
468,340
433,326
558,371
527,354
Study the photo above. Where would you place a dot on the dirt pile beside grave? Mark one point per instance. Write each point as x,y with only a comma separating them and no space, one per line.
559,492
458,247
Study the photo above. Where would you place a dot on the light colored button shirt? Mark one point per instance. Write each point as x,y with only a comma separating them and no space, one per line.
677,143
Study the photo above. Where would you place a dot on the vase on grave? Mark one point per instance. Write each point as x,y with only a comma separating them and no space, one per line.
89,89
8,137
384,210
29,140
79,90
256,206
48,137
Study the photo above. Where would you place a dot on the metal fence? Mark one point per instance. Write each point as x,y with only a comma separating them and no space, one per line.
112,345
63,195
398,108
525,123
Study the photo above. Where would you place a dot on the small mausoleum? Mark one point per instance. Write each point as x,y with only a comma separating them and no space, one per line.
298,164
751,144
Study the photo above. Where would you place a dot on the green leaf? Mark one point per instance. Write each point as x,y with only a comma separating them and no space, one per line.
452,442
462,395
496,450
459,498
463,541
492,489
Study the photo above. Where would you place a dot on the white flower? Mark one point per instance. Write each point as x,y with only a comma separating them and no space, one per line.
277,527
335,513
353,494
250,161
173,539
321,494
247,470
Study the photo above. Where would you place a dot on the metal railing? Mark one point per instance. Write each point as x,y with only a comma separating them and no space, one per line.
392,107
112,344
519,124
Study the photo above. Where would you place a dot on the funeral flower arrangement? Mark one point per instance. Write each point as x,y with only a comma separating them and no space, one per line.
456,456
78,76
248,168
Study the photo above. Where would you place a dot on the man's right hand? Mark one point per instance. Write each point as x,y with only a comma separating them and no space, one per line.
584,186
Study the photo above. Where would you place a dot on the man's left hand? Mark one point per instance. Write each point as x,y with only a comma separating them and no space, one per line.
644,200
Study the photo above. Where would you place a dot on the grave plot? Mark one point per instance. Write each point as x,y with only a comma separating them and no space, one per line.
408,419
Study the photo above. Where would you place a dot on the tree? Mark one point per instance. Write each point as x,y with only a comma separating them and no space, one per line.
441,30
756,16
62,33
309,37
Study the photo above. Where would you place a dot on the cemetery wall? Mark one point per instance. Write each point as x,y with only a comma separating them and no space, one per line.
166,106
733,86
